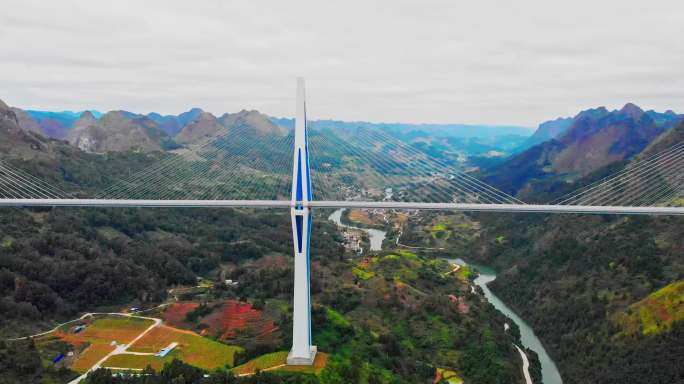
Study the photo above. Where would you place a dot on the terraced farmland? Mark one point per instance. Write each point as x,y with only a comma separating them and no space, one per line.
95,341
121,329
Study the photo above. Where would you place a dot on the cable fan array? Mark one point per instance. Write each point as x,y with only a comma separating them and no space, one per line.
239,164
17,184
361,164
370,165
656,180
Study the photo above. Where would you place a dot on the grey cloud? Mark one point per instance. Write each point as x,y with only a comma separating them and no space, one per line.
416,61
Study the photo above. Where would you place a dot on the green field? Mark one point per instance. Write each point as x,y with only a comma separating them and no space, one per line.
451,377
192,348
262,362
362,274
120,328
136,362
270,361
6,242
408,254
94,342
439,227
440,231
464,272
336,318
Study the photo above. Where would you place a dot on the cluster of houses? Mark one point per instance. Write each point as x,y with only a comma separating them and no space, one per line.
352,241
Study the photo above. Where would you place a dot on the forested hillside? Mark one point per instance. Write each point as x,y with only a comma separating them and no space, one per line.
573,277
604,293
57,262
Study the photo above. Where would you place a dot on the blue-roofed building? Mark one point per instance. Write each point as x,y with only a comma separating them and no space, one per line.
165,351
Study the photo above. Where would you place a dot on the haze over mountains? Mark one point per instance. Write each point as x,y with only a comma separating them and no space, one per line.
59,125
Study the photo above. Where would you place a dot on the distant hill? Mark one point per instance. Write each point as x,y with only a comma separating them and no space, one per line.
203,126
260,123
27,122
16,142
549,130
117,131
56,124
173,124
594,139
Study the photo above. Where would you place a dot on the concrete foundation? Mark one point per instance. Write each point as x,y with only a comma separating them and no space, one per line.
302,360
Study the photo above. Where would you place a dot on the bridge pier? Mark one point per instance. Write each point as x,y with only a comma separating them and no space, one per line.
302,352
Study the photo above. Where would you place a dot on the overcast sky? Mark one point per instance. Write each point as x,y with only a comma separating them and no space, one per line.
494,62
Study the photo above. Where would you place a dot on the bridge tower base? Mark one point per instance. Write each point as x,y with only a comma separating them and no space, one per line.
302,352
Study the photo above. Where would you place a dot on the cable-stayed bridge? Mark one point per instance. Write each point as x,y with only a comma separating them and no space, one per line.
242,168
229,170
359,168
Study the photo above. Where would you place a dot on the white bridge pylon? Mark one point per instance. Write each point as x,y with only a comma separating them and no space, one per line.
302,353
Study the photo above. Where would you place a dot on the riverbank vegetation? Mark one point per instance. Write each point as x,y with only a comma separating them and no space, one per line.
601,292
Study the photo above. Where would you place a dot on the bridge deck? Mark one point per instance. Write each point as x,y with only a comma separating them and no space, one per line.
532,208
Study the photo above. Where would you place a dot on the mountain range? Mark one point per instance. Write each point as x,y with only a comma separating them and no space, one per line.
563,149
572,148
98,132
118,131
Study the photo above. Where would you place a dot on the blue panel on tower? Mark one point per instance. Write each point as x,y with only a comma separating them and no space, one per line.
299,222
308,274
299,175
308,176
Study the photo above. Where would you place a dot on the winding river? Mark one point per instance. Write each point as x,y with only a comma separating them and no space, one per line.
375,236
550,374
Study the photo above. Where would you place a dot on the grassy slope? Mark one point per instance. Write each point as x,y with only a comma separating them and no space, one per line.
654,314
275,361
193,349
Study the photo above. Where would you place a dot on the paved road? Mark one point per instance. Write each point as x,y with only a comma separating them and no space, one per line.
526,365
85,315
50,331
